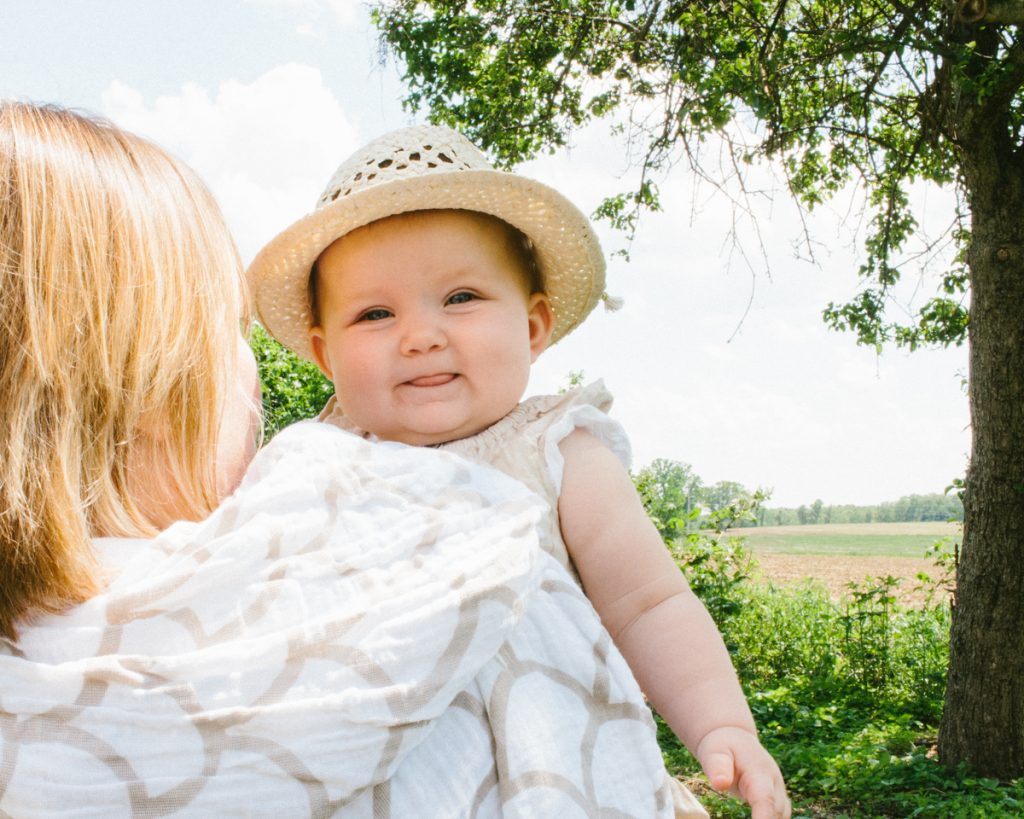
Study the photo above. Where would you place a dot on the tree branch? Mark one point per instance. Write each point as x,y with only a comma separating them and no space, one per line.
1006,12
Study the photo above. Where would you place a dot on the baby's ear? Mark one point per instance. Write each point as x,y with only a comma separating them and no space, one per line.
542,323
318,341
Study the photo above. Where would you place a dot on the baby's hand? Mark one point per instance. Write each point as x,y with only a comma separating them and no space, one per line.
735,761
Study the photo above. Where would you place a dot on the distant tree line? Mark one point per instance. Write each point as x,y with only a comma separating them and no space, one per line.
678,500
935,506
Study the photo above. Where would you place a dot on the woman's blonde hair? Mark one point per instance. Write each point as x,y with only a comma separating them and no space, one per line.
121,297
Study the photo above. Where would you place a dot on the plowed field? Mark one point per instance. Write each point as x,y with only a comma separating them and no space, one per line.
834,572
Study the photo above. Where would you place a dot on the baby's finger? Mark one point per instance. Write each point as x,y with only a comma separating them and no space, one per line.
720,770
766,797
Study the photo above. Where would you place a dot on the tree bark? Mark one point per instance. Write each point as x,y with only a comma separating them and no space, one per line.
983,719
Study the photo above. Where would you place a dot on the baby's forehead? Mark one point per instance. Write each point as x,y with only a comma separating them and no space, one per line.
432,219
488,234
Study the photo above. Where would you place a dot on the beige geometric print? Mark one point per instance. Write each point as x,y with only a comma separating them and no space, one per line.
554,726
280,656
361,630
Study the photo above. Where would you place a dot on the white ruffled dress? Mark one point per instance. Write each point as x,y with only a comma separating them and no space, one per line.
525,444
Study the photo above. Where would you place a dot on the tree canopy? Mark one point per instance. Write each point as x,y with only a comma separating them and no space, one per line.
837,92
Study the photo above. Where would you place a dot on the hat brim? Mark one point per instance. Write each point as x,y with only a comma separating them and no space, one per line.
568,253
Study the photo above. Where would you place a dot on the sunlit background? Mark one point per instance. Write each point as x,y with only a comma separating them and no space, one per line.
719,357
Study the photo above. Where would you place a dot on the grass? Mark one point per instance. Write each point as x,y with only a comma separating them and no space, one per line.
853,539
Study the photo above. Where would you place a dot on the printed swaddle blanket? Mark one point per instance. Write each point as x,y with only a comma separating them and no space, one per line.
360,630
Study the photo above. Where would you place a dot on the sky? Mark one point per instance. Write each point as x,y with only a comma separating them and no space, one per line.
718,358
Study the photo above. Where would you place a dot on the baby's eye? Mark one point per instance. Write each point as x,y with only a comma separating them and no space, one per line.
376,314
461,297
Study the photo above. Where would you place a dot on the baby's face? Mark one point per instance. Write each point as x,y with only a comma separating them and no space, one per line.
427,328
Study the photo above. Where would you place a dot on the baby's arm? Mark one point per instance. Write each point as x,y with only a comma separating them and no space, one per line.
663,630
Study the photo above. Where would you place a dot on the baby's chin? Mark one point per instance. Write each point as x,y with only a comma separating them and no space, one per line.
427,436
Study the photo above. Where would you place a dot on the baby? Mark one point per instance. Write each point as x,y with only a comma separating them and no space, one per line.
424,285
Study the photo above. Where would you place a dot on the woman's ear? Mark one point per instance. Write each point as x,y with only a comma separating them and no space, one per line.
542,323
318,341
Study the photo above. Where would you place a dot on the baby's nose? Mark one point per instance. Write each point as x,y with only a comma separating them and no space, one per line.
423,334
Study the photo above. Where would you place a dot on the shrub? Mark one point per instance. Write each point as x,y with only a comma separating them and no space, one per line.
293,389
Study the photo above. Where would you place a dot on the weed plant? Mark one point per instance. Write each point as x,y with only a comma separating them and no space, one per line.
847,696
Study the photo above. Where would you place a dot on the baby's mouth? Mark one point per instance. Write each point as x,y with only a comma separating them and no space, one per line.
436,380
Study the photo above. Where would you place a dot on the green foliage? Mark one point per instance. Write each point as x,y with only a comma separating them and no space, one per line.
574,379
716,564
863,650
874,93
717,567
671,491
667,489
724,495
293,389
867,625
847,698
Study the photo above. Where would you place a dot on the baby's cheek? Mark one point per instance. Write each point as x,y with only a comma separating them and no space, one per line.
361,390
358,370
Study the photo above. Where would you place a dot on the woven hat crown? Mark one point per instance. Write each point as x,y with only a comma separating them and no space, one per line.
427,168
403,154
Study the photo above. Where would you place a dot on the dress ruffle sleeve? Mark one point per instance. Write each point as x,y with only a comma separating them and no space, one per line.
585,409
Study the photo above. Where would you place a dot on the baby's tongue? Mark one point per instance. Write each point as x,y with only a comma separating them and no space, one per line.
432,380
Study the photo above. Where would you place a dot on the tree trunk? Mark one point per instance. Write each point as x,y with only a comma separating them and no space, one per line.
983,720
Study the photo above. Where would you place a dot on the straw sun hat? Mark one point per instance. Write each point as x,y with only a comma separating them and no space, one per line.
425,168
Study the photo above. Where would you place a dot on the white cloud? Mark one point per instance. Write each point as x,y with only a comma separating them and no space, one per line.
265,148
